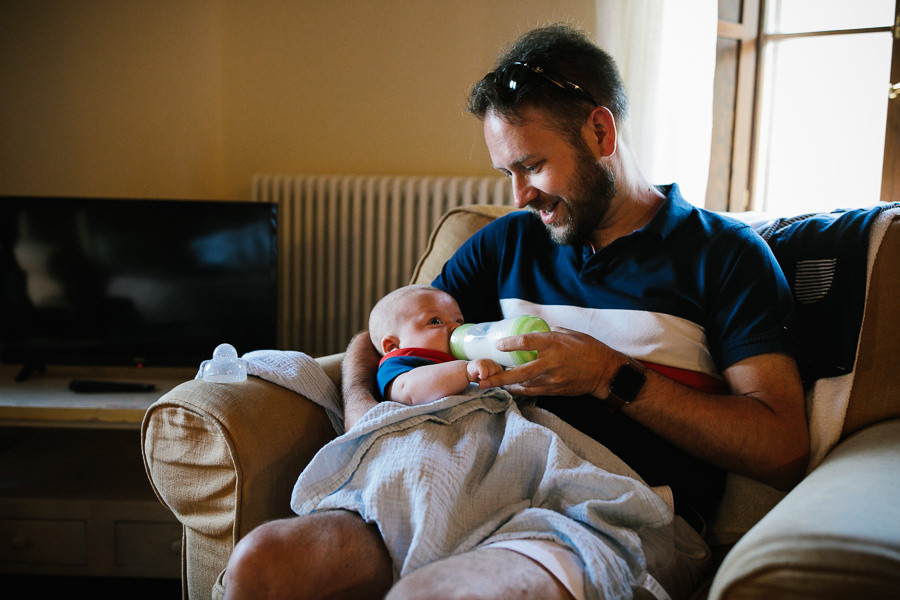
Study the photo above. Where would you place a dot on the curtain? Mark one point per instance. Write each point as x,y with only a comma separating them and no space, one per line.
666,52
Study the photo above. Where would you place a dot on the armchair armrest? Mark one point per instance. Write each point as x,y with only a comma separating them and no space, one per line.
836,535
224,458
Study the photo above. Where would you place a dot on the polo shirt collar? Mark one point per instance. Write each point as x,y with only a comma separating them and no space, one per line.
674,211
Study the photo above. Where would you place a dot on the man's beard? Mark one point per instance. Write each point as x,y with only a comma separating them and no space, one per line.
587,202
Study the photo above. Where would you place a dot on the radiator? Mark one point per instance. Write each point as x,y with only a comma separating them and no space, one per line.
345,241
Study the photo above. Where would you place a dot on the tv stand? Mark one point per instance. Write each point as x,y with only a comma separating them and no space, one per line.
75,498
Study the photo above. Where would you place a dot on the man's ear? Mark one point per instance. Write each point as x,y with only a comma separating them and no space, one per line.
603,132
389,343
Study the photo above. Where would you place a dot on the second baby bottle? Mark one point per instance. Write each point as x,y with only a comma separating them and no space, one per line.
479,340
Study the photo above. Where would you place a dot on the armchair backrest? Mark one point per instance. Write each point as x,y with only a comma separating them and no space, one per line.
455,227
875,395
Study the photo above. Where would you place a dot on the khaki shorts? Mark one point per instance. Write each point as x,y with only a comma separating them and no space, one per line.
677,558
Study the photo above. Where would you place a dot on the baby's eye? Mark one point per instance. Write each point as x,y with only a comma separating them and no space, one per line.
435,321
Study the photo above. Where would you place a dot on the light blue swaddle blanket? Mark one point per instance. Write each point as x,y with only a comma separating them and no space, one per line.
456,474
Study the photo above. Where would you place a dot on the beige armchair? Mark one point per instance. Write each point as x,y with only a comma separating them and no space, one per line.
224,458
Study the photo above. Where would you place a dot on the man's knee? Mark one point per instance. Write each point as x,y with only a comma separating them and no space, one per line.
481,574
257,548
257,558
325,554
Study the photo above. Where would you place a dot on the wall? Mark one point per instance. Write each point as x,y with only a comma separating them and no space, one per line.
189,99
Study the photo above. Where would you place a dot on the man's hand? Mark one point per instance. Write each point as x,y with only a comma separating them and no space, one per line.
765,391
569,363
358,378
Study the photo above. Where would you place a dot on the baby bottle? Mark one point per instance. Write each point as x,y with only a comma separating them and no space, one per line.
479,340
225,366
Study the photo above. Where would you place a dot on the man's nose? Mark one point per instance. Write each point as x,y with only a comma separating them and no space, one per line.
523,192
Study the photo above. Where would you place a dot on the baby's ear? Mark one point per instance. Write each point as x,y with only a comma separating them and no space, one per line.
389,343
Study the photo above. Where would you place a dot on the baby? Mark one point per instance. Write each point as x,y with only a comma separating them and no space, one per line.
410,328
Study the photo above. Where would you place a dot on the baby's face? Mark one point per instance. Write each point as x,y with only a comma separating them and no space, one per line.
431,318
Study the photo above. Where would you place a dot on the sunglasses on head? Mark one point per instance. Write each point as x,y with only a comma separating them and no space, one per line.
511,76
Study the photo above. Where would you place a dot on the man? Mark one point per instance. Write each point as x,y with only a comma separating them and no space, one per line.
631,277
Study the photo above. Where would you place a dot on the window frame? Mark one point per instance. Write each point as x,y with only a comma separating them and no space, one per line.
751,38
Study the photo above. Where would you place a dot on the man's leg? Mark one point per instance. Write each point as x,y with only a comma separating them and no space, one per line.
486,573
332,554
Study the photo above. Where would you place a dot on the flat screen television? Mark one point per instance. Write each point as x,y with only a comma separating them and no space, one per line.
135,282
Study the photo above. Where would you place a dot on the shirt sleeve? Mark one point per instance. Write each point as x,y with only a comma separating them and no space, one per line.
471,274
752,308
393,367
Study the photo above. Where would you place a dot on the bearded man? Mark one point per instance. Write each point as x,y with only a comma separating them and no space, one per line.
669,340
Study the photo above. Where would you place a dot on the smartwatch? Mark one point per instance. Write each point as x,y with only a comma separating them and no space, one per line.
627,383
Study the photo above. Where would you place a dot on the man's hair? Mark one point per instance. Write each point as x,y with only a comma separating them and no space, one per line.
563,52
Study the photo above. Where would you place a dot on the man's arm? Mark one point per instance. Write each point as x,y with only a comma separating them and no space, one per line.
758,430
358,387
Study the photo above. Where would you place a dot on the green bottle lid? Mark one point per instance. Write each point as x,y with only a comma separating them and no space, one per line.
526,324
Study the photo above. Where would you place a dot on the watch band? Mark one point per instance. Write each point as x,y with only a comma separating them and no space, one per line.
627,383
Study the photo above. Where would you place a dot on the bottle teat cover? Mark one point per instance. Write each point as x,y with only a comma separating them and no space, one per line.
225,366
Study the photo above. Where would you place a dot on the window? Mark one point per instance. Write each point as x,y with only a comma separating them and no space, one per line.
800,104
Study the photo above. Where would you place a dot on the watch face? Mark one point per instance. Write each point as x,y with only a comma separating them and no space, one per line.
627,383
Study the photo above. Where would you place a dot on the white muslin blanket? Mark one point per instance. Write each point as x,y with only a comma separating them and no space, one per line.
450,476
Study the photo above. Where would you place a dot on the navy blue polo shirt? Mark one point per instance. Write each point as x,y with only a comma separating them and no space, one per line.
692,291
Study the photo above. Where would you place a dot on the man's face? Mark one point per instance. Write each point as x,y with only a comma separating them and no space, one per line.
564,184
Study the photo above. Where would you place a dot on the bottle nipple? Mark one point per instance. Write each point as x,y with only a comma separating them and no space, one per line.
225,366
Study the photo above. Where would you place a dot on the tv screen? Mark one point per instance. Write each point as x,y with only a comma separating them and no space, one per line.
135,282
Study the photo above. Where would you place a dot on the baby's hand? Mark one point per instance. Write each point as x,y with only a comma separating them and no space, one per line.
482,368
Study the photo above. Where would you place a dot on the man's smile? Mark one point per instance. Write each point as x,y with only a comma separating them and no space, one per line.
549,211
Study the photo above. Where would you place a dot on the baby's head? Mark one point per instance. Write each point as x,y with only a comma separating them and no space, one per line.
415,316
